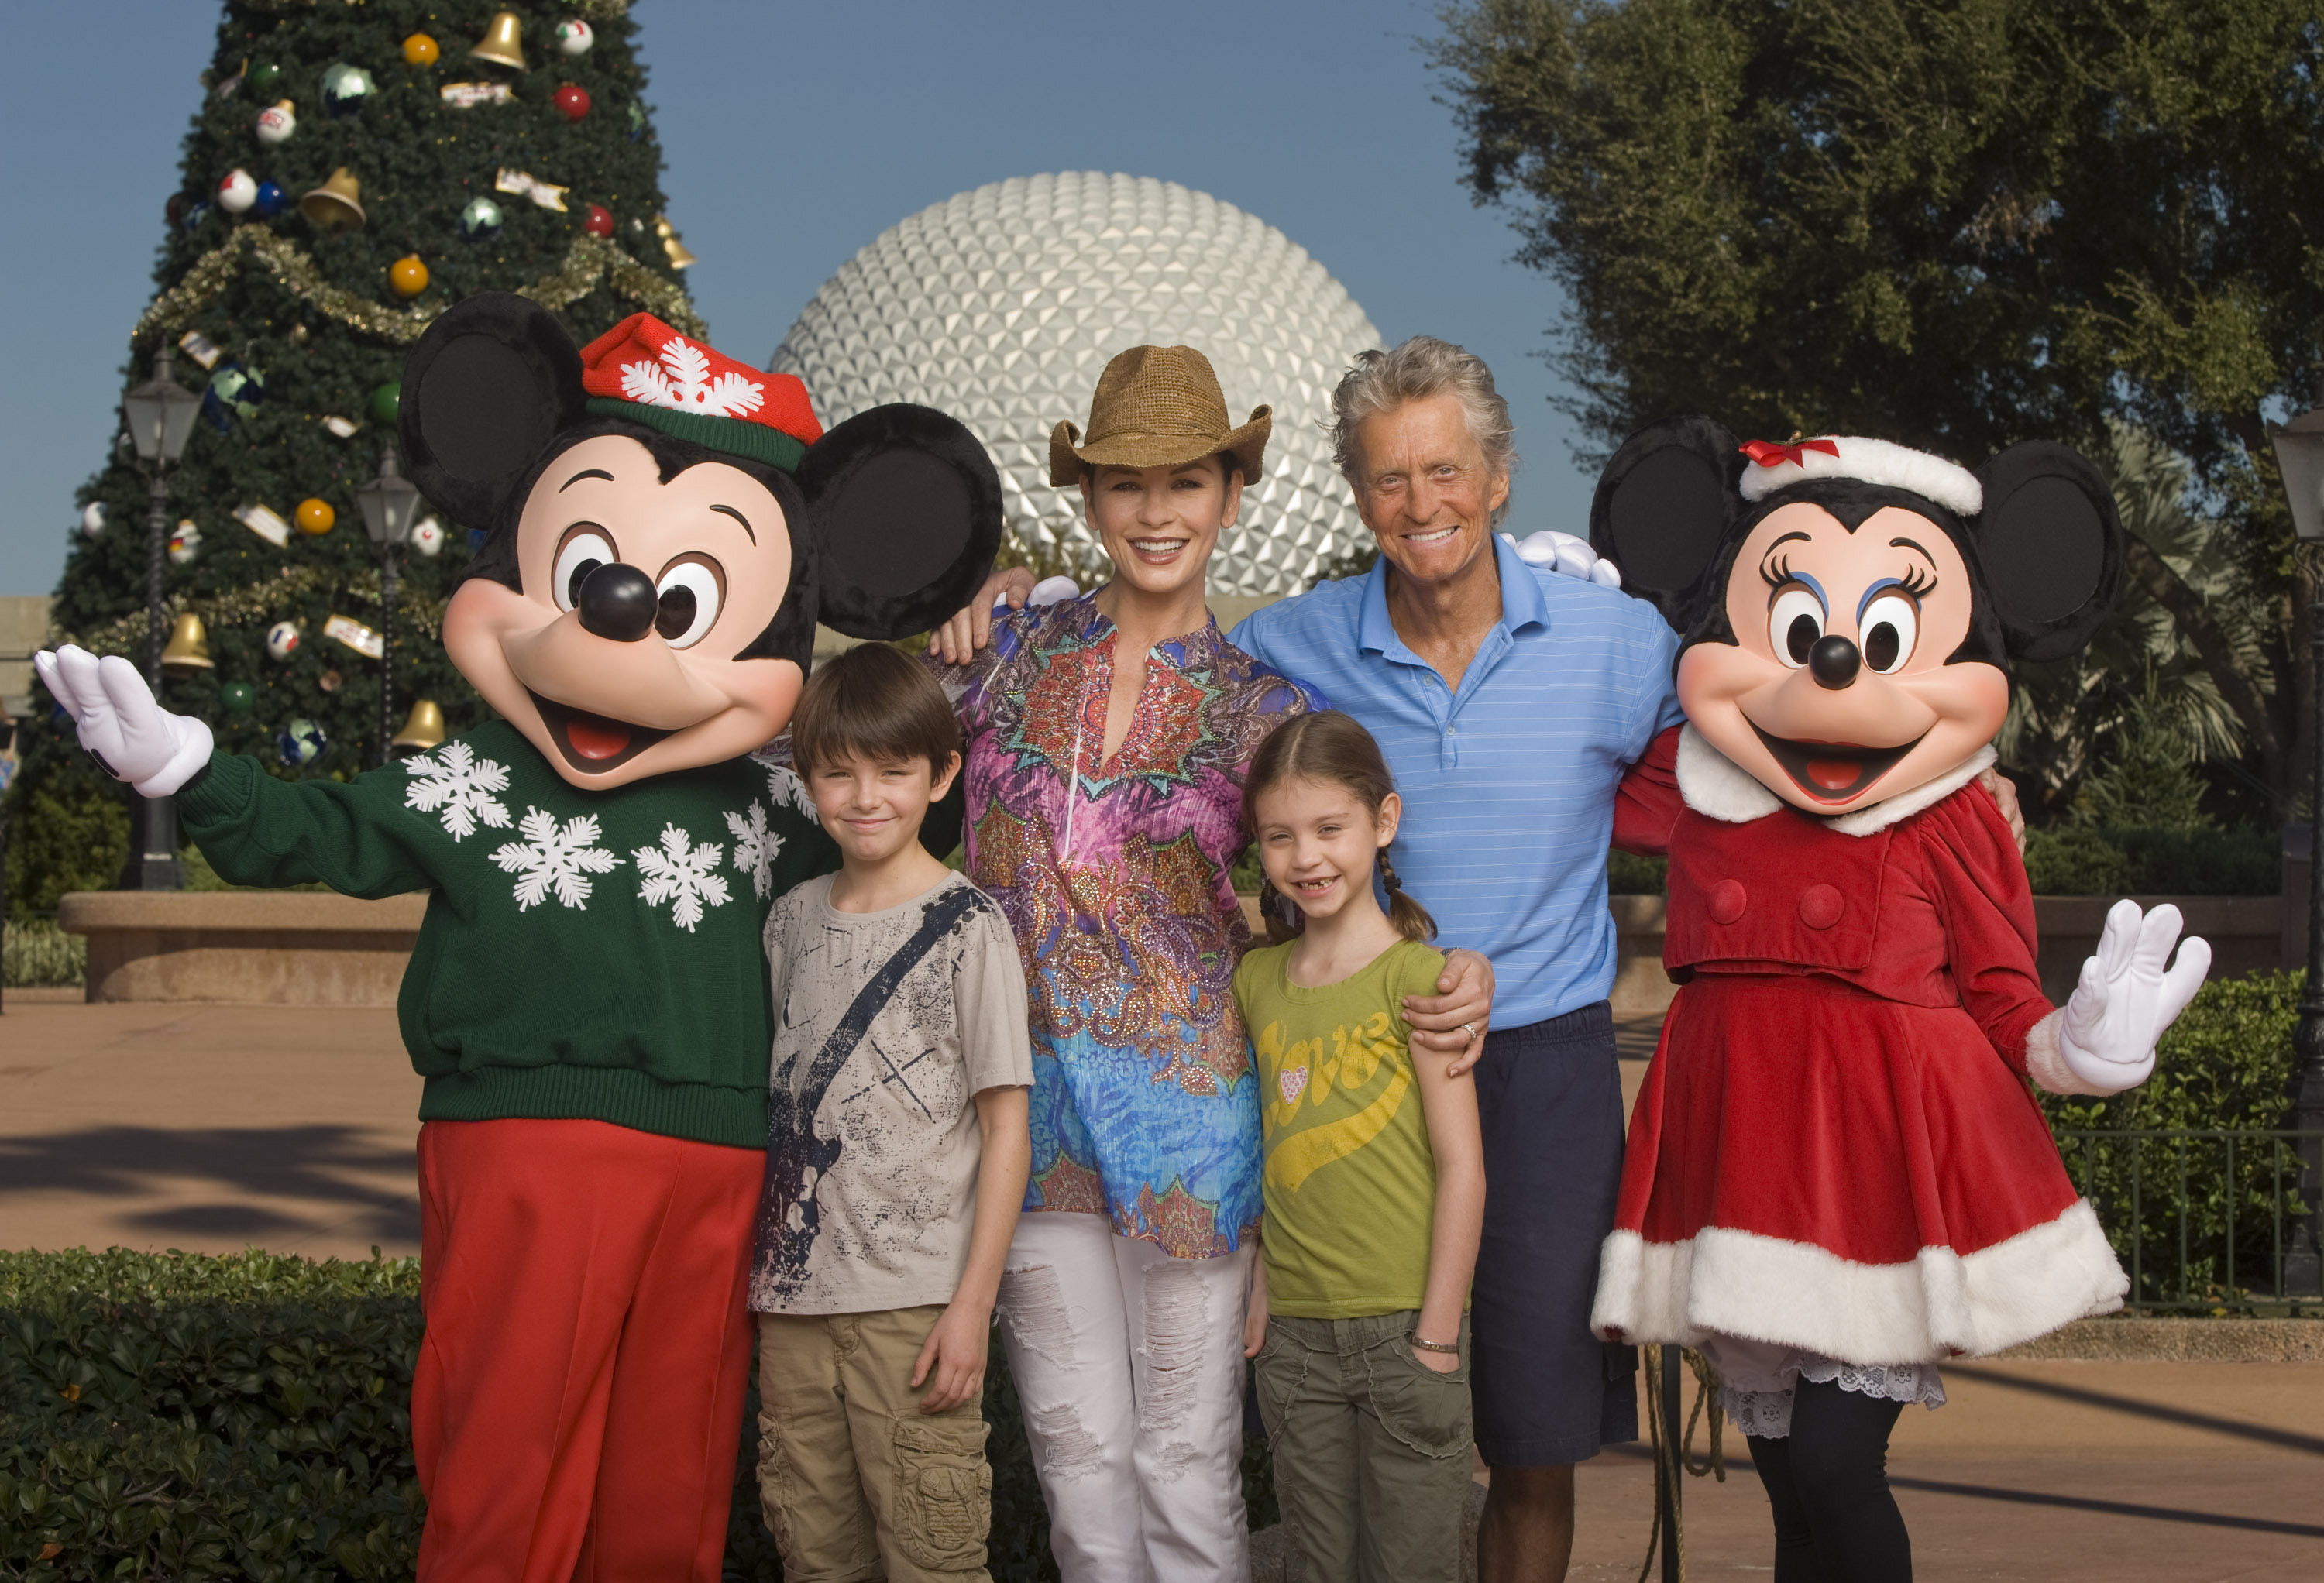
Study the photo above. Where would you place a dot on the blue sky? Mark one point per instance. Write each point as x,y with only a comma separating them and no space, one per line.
794,134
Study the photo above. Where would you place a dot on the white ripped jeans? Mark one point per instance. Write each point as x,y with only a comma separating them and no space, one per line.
1130,1367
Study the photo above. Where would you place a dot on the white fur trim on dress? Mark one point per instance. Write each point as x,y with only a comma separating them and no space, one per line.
1715,785
1874,461
2045,1061
1942,1304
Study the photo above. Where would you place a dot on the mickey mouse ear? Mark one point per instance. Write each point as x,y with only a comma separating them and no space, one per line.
485,390
2049,543
907,506
1662,505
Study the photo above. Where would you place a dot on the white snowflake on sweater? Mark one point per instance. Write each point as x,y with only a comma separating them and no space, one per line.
785,786
681,873
454,780
686,383
554,858
755,847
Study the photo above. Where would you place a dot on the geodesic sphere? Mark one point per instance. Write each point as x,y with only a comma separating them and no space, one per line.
1001,306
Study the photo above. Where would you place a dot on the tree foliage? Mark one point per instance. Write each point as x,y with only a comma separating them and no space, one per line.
307,321
1957,224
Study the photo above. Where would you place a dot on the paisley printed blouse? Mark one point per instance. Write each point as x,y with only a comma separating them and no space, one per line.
1114,876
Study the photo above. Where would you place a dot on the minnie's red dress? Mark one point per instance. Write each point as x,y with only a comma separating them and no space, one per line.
1835,1151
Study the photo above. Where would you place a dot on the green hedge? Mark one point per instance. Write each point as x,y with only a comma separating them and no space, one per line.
2078,861
37,954
2226,1063
188,1417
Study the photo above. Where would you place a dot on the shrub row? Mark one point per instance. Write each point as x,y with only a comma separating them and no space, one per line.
37,954
188,1417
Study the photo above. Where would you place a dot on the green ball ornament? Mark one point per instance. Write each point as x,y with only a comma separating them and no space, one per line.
481,221
239,697
386,402
265,77
346,88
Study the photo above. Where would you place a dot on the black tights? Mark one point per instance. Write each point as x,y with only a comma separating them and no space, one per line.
1835,1520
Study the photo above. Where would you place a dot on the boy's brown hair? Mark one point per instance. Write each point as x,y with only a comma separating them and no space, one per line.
877,703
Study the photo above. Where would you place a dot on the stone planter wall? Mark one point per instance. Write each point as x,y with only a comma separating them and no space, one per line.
250,947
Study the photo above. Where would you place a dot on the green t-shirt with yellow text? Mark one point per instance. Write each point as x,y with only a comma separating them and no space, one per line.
1349,1180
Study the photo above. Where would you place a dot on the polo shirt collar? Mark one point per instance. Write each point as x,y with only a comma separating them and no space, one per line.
1522,604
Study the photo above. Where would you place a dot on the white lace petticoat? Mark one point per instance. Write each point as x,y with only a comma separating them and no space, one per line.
1759,1379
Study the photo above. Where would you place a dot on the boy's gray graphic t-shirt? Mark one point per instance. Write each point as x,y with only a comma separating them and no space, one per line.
886,1025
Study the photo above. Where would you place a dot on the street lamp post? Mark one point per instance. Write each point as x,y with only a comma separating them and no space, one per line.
2300,457
159,415
387,502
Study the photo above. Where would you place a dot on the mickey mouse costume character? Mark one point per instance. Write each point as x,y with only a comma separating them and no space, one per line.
1836,1175
586,1000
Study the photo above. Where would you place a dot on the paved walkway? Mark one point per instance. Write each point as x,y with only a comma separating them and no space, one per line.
211,1128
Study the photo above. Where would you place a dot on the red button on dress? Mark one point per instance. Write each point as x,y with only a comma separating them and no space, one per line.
1727,898
1821,906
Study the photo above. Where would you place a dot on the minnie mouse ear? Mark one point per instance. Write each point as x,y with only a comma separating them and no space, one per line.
2050,543
907,507
1662,505
489,385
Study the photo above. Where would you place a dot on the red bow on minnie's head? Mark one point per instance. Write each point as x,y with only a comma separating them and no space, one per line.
1774,453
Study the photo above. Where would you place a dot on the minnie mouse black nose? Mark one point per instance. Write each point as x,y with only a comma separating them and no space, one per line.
617,602
1833,661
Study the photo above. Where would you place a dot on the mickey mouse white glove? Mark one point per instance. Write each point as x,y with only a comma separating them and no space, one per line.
2102,1040
1048,590
131,737
1553,552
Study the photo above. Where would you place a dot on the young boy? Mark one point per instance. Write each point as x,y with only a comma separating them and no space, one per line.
897,1153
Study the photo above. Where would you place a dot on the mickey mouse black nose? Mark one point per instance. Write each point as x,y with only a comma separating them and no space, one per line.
1833,661
617,602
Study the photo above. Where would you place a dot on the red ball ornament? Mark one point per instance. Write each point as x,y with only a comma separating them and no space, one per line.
600,222
573,99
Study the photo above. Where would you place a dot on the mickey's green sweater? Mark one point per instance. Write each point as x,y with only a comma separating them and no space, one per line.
588,955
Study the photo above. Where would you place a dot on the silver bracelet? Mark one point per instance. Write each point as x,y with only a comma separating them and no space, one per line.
1450,1349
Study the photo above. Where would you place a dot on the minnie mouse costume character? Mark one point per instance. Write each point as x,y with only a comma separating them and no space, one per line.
586,1000
1836,1175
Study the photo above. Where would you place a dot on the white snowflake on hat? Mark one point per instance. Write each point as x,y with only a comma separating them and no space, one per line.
686,385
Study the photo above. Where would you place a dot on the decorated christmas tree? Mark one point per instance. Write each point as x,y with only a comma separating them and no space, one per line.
353,171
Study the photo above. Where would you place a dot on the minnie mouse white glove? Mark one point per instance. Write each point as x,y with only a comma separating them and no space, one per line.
131,737
1563,553
2102,1040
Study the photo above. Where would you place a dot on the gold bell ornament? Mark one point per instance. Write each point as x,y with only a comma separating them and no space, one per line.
336,205
679,258
501,44
188,649
425,728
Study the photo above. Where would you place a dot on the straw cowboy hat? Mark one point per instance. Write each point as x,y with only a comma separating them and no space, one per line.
1157,407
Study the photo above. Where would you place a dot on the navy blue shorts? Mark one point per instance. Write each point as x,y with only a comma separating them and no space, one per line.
1546,1391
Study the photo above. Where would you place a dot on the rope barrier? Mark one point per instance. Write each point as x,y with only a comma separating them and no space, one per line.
1671,1460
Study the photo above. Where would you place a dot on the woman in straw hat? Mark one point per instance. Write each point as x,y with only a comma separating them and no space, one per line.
1108,738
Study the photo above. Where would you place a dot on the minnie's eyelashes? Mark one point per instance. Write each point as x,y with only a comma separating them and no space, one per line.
1919,581
1777,571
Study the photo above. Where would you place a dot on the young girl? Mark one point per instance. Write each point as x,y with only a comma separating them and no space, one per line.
1375,1193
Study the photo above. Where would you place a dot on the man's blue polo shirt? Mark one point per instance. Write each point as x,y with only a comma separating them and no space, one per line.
1507,784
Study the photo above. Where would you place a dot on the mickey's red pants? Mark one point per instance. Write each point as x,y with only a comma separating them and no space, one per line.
578,1398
